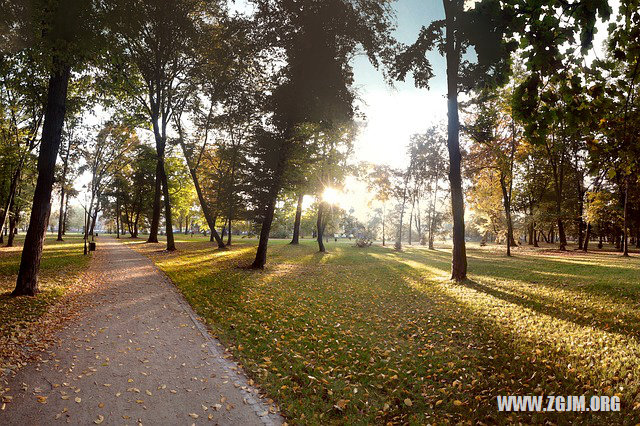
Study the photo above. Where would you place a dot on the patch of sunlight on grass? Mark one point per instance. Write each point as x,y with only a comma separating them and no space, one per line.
591,353
368,329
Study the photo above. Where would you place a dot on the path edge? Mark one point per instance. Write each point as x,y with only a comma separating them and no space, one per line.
228,366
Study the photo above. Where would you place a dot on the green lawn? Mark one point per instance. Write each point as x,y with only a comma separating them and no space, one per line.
372,335
61,262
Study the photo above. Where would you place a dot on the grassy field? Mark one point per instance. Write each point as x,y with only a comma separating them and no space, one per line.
372,335
61,261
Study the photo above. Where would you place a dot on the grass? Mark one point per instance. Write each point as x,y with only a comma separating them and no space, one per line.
375,336
61,261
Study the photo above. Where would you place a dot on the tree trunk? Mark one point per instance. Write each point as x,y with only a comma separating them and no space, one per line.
61,214
320,226
171,245
66,215
383,229
117,218
506,201
562,236
625,236
296,222
261,252
27,282
432,214
459,255
410,224
12,227
229,234
398,244
155,217
585,244
12,192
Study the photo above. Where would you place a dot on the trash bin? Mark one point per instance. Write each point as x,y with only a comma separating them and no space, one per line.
92,246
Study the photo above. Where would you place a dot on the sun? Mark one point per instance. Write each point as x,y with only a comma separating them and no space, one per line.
332,196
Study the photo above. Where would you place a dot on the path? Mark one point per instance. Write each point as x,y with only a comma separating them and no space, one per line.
138,355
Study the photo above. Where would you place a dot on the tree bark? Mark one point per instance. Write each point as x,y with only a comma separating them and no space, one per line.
320,226
12,191
117,218
27,282
506,201
585,244
261,253
155,217
296,222
398,244
459,255
12,227
411,222
274,189
171,245
61,214
625,236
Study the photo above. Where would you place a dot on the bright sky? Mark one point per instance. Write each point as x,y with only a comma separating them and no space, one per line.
394,114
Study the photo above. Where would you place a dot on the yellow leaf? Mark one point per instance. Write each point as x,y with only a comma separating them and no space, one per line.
99,420
457,403
408,402
341,404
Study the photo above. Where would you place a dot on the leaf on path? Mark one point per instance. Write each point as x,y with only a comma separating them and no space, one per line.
78,399
99,420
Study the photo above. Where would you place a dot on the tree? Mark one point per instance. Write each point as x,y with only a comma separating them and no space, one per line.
69,154
379,182
483,28
496,136
104,157
21,97
318,39
427,156
65,33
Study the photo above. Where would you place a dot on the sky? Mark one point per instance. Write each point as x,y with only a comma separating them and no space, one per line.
393,114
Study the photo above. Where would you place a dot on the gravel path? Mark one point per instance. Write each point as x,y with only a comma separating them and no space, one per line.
138,355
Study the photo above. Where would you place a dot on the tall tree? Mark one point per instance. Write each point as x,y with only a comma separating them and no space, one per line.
483,28
318,39
65,33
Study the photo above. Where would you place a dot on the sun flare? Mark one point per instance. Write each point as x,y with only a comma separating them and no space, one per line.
332,196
